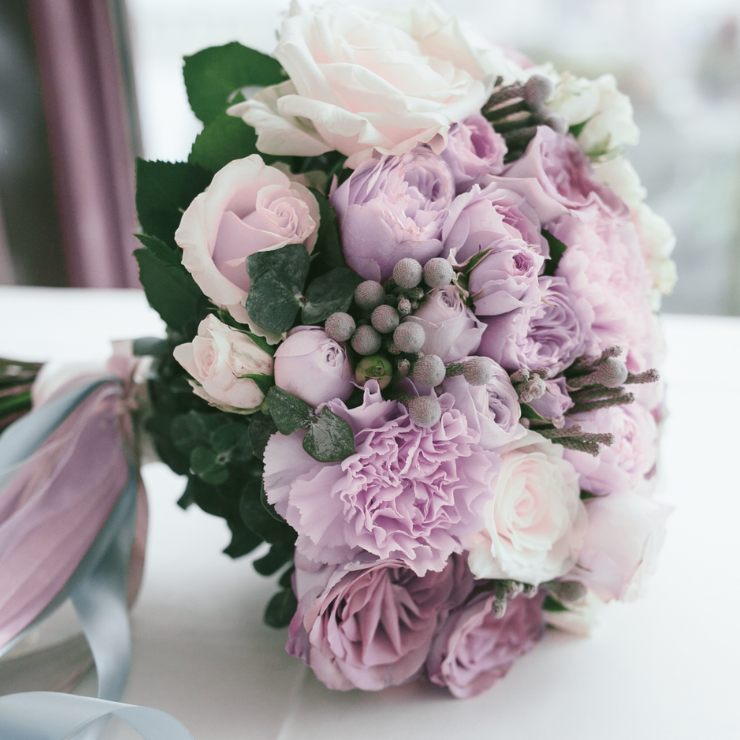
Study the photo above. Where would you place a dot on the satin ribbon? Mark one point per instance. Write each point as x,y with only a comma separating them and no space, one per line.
97,588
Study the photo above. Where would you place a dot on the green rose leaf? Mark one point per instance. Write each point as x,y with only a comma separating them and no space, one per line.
222,140
271,304
551,604
557,249
163,191
169,287
261,428
205,464
280,554
262,523
281,608
288,411
212,76
329,293
263,382
328,244
329,438
243,540
529,413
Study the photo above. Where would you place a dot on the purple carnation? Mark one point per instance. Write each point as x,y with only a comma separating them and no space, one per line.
566,175
369,626
391,208
474,649
408,493
473,149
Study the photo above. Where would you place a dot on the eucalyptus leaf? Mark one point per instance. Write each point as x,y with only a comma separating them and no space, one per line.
288,412
280,609
329,293
194,429
261,428
259,520
329,438
328,244
557,249
290,264
231,442
279,555
271,304
243,540
204,463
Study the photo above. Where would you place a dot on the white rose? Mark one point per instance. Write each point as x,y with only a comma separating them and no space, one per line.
219,358
606,112
580,618
248,207
363,82
451,329
535,522
625,533
657,241
622,178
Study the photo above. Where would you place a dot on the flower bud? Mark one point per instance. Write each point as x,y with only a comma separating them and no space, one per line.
537,90
425,411
477,370
612,373
366,341
404,306
567,591
438,272
409,337
385,319
429,370
533,389
369,295
404,367
407,273
375,367
339,326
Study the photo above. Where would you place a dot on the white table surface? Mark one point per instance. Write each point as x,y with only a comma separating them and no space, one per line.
663,667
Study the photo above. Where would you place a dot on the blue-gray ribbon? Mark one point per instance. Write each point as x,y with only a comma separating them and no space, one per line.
98,592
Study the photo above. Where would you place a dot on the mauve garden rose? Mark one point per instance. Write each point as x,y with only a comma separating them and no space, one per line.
474,648
493,216
506,279
563,170
219,358
363,82
603,264
622,465
452,330
408,493
313,367
248,207
391,208
535,522
473,149
492,410
553,333
369,626
625,533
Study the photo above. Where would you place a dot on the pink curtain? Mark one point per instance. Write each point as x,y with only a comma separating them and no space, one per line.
89,135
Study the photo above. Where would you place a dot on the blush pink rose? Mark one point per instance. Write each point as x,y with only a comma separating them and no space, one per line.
313,367
474,648
248,207
370,626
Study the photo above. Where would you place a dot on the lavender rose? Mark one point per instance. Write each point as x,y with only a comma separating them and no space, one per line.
506,279
247,208
408,493
493,216
219,358
393,208
473,149
492,409
370,626
566,175
451,328
313,367
474,649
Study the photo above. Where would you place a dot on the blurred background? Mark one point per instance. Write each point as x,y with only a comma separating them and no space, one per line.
86,85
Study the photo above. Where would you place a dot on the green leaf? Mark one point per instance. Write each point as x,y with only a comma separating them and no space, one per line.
551,604
586,495
222,140
279,555
329,293
259,520
150,347
163,191
231,443
243,540
328,244
557,249
290,264
329,438
271,305
212,75
280,609
286,579
194,429
204,463
529,413
169,288
268,507
576,128
263,382
288,411
261,428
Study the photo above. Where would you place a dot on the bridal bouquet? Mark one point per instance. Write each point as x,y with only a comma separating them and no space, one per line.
411,287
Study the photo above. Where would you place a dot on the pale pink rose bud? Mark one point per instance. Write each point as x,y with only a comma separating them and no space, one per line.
311,365
219,359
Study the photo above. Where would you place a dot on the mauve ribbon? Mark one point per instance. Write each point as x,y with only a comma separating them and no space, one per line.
68,494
